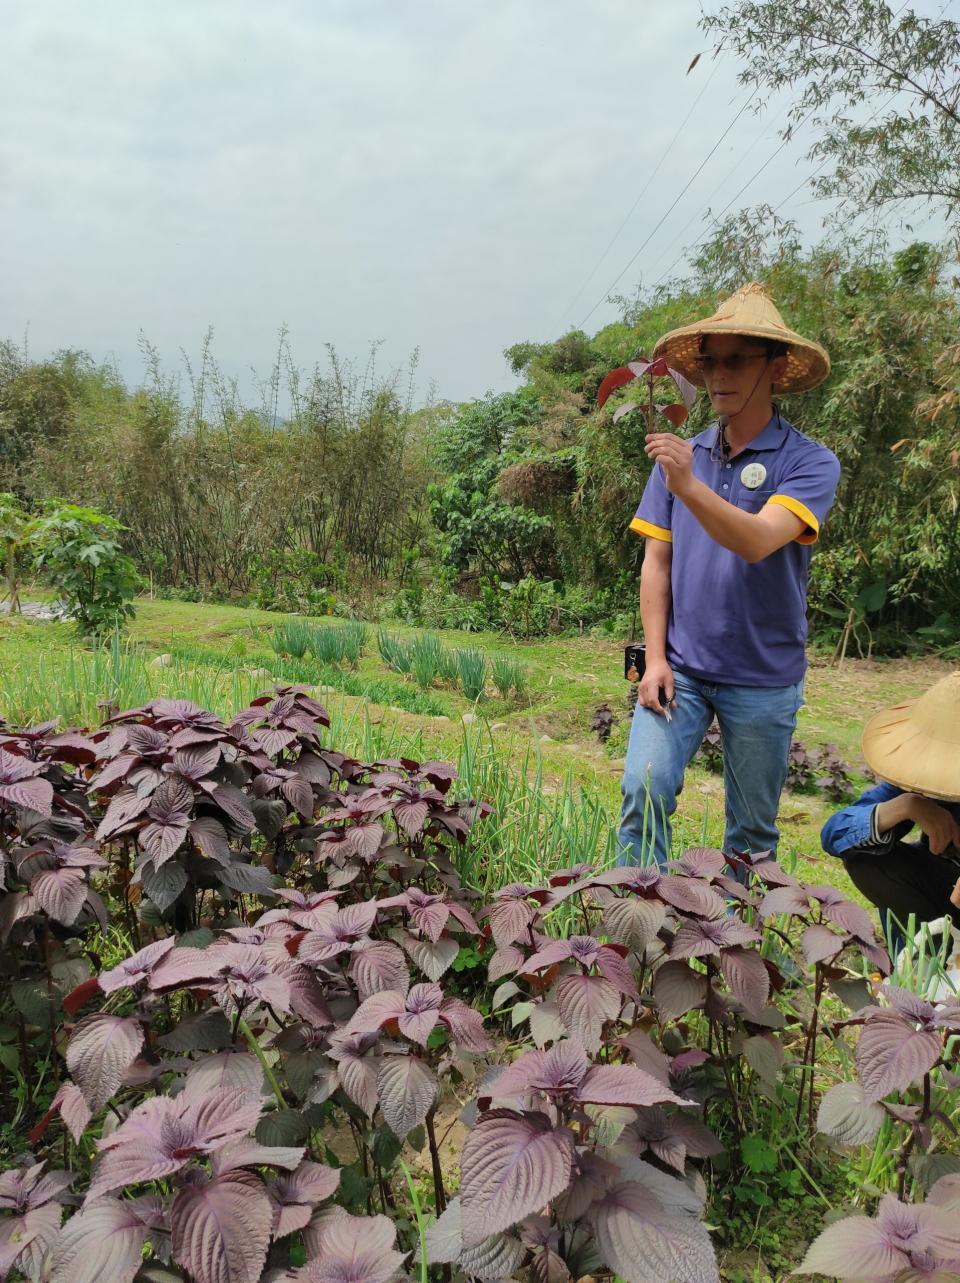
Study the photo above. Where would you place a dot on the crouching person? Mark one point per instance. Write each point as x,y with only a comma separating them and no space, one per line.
914,748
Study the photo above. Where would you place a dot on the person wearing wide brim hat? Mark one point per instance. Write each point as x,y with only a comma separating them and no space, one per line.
728,520
914,749
750,313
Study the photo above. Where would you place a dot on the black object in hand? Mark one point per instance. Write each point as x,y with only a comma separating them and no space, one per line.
635,665
634,661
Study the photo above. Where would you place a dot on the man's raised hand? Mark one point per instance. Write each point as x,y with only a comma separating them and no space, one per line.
675,456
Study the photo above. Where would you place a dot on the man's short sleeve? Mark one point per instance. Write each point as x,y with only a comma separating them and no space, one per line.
807,488
655,514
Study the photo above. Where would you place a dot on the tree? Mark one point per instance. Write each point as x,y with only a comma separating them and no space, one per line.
841,57
77,549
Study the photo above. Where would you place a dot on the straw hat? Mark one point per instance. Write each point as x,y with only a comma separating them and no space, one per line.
750,312
916,745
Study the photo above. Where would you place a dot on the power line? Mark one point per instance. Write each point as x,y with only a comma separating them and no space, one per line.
646,187
716,218
668,212
721,185
803,183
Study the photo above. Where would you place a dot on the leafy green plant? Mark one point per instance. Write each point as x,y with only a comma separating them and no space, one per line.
426,659
394,651
291,637
326,644
508,675
78,551
472,666
354,635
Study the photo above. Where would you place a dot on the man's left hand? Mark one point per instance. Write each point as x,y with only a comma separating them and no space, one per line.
675,456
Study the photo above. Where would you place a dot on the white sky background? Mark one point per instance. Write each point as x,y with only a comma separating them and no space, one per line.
431,173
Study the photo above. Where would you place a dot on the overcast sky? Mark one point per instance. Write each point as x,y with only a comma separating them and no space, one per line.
431,173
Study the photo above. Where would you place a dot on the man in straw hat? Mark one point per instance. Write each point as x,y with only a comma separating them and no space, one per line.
729,518
914,748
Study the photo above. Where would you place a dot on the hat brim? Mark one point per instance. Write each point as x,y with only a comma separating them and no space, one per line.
807,362
905,755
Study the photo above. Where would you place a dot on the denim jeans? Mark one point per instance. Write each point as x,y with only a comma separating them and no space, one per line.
756,724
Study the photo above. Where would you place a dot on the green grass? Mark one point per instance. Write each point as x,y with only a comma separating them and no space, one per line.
562,795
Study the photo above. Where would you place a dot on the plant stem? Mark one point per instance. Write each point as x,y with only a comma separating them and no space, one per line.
439,1193
809,1052
904,1159
421,1224
254,1045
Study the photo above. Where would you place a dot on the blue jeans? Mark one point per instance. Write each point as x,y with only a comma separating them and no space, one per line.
756,724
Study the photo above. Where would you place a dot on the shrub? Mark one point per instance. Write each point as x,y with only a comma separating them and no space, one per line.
295,579
78,551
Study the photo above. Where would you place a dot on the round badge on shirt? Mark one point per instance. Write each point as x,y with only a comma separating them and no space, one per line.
753,475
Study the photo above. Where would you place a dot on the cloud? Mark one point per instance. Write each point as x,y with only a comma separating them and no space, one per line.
425,172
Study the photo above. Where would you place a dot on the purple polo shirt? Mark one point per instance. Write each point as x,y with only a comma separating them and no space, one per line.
732,622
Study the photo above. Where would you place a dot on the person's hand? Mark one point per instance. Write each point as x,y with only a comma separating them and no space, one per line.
658,674
936,822
675,457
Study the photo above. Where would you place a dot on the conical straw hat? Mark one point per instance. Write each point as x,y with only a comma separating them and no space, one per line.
916,745
750,312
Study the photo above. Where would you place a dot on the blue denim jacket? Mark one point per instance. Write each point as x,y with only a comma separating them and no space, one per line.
852,826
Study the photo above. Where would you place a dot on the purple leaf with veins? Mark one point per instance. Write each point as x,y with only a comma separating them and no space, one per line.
509,920
892,1055
784,900
851,918
647,1055
511,1165
746,974
677,989
820,944
586,1003
162,1135
640,1240
103,1241
26,1239
422,1012
624,1085
857,1247
377,967
407,1090
24,1188
21,785
221,1229
350,1249
295,1196
496,1257
633,921
701,862
357,1068
69,1102
464,1025
101,1049
61,893
690,895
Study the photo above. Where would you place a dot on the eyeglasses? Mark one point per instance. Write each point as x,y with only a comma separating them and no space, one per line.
734,362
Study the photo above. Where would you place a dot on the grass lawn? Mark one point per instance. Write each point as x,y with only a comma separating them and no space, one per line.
540,760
